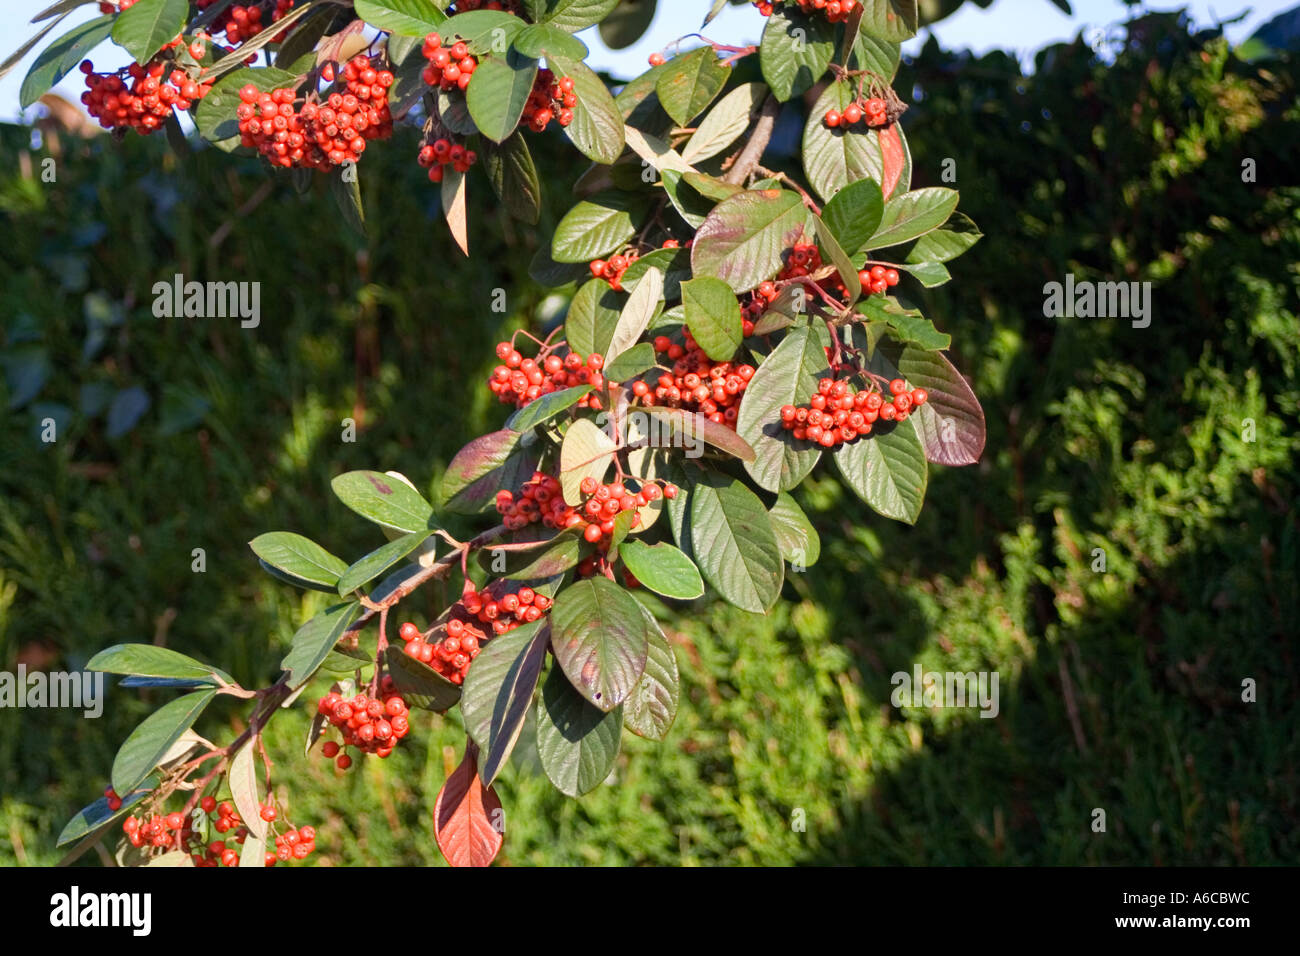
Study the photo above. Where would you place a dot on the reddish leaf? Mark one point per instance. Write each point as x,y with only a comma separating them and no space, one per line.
466,816
893,156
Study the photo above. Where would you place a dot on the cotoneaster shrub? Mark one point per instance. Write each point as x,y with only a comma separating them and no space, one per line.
735,326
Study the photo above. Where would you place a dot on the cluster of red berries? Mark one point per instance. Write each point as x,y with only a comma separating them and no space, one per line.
161,830
242,23
877,279
441,153
696,382
874,110
541,499
836,414
451,656
836,11
146,102
449,66
551,99
113,800
521,380
371,724
612,269
318,135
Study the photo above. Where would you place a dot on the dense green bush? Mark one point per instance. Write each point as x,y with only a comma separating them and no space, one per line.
1120,690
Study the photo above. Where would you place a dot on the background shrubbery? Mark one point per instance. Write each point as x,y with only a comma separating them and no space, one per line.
1120,690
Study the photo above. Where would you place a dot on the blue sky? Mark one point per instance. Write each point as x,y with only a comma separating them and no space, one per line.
1020,25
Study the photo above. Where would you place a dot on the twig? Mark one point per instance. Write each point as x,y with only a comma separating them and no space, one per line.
752,154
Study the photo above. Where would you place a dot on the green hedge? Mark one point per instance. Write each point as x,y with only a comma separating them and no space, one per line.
1119,690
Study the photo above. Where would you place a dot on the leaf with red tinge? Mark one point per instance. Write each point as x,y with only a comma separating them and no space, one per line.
950,424
893,157
467,817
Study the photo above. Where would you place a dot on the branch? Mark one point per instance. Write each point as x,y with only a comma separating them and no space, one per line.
753,151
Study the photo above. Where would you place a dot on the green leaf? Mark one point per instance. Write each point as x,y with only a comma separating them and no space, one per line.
545,407
742,240
663,569
893,20
947,242
411,18
513,175
675,264
593,316
879,56
626,23
97,815
500,459
887,470
631,363
142,29
641,307
694,427
485,31
388,501
690,82
913,214
585,452
652,706
146,660
741,558
151,740
314,640
713,316
419,684
800,544
299,557
597,127
366,569
786,377
795,51
347,197
577,743
724,123
62,57
597,227
833,158
908,324
544,39
498,92
242,779
556,559
853,214
599,639
498,692
929,274
848,273
575,15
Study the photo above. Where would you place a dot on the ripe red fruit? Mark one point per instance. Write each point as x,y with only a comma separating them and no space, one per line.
852,114
897,386
657,59
832,118
343,762
330,749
